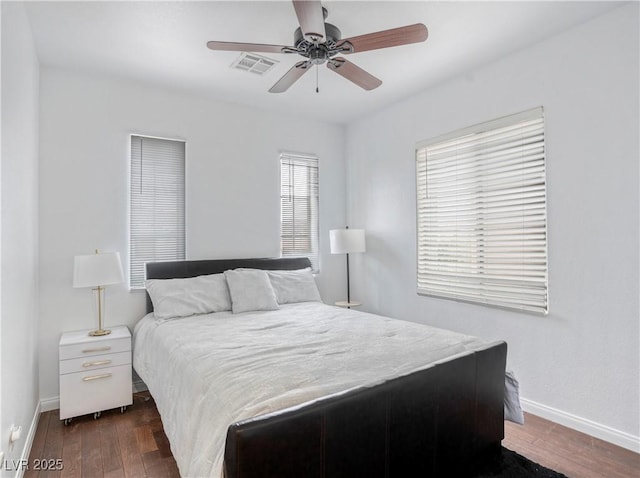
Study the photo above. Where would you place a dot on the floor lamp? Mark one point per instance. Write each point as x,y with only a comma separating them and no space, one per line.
347,241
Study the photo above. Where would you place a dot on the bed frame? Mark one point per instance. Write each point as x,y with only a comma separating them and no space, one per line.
445,420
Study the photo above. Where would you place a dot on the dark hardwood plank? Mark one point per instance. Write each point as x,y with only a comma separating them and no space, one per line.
134,445
163,443
144,437
91,452
154,464
568,451
110,448
131,459
37,447
52,449
71,451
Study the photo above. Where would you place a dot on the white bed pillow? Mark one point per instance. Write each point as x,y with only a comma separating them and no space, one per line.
294,286
184,297
250,289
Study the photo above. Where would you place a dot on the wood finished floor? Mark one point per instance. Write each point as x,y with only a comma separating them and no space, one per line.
134,445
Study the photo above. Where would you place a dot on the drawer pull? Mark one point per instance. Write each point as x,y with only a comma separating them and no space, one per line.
94,364
97,349
96,377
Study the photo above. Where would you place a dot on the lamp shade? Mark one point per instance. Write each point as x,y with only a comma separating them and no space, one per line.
92,270
346,241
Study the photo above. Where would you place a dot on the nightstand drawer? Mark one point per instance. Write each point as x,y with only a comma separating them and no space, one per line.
94,362
95,390
98,347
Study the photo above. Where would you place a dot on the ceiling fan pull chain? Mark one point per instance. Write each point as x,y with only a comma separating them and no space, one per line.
317,88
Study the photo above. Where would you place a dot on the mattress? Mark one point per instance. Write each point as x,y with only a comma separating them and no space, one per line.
206,372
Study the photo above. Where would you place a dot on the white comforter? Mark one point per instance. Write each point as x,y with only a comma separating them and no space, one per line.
208,371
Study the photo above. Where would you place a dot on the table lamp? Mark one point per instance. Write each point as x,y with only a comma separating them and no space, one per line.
96,271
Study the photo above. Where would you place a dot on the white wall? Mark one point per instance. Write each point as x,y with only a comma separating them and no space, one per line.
233,175
580,364
19,256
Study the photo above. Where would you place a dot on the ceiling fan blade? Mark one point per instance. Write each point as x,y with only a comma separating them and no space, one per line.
290,77
255,47
353,73
385,39
311,18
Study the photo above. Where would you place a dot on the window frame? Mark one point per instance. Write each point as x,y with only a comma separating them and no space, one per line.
461,269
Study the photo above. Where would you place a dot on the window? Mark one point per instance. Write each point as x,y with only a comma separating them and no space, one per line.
156,215
481,213
299,207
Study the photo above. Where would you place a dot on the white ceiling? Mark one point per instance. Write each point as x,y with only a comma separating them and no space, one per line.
165,43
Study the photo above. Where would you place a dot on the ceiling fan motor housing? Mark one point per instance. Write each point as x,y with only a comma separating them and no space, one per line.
318,53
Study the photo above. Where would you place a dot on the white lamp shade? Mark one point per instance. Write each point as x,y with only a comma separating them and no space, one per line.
346,241
99,269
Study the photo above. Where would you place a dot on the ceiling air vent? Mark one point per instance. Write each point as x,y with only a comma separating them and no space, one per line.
254,63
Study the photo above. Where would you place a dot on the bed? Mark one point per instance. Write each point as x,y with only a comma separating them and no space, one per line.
311,390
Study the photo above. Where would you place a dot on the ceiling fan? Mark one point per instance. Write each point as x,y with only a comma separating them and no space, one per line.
320,42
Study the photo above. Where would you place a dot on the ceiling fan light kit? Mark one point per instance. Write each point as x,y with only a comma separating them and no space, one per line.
319,42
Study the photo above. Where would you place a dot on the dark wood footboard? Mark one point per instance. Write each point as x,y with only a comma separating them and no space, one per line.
438,422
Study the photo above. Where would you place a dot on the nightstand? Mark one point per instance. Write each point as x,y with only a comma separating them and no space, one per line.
95,372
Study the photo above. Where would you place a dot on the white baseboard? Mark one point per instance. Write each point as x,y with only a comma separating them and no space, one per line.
48,404
28,443
608,434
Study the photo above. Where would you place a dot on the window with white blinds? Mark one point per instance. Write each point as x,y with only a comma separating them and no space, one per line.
481,214
299,235
156,214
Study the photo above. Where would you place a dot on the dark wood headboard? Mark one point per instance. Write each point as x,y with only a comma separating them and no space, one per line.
184,269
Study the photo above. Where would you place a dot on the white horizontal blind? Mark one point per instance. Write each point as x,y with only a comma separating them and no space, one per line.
481,214
156,215
299,232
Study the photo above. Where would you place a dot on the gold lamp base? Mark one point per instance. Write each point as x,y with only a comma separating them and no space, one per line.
99,332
